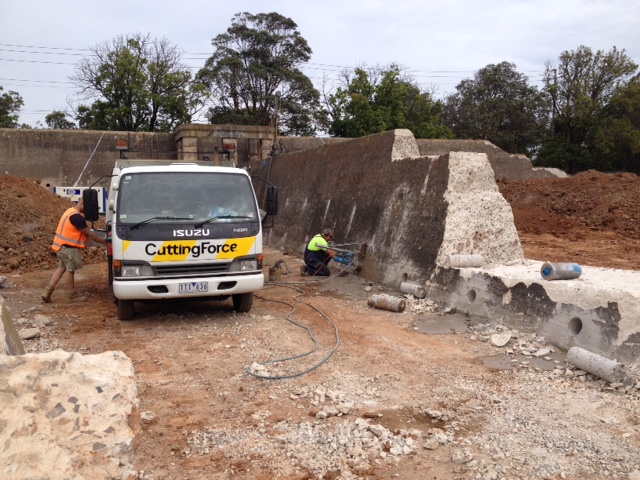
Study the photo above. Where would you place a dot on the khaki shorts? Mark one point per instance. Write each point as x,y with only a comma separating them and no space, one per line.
70,258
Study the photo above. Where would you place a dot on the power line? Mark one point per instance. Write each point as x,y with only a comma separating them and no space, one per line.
195,56
36,81
47,48
40,53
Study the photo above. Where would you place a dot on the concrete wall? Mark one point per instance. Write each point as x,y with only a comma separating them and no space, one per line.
505,165
64,157
412,211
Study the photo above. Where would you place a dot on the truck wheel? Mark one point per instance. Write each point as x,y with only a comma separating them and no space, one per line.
125,309
242,302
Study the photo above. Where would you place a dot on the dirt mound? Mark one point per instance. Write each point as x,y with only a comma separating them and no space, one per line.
590,218
562,206
29,215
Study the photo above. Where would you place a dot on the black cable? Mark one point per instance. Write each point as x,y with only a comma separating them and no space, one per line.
309,332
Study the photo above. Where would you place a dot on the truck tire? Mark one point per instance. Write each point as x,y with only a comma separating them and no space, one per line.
242,302
125,309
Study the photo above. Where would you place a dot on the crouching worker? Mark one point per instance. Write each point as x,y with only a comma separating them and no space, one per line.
317,255
70,239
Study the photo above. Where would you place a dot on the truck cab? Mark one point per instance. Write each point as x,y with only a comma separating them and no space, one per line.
183,231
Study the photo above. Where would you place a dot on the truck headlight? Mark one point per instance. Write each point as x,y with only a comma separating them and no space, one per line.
244,265
137,271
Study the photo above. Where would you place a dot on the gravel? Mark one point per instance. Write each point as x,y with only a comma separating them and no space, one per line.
550,422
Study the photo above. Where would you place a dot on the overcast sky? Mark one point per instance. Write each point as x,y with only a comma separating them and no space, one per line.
440,42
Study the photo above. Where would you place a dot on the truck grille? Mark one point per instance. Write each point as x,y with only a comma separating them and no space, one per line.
191,270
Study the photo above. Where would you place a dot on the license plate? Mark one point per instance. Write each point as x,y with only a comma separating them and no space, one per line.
194,287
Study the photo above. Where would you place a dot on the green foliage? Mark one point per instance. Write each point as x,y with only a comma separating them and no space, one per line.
254,71
616,142
498,105
10,104
593,101
58,120
139,84
381,99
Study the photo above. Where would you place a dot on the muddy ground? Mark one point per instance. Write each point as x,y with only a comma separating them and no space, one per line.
383,396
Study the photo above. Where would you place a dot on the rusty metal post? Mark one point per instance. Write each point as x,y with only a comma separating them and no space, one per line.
387,302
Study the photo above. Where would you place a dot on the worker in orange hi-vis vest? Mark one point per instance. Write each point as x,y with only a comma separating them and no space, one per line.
69,241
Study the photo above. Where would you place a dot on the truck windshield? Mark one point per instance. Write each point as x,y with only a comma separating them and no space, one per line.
185,197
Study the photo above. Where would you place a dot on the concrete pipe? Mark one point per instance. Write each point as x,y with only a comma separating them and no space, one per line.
463,261
417,291
595,364
387,302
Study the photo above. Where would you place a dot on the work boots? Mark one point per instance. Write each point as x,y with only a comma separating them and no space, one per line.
46,295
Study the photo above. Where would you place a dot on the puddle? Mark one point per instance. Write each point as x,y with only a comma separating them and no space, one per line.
441,324
510,362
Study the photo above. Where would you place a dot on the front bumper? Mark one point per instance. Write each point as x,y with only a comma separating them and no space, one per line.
149,289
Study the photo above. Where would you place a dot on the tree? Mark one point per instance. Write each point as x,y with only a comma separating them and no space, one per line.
139,83
255,69
499,105
582,87
10,104
379,99
58,120
616,142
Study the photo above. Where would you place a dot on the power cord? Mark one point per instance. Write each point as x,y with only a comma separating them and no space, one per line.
309,332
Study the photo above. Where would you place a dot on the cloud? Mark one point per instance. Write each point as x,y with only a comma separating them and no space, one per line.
442,42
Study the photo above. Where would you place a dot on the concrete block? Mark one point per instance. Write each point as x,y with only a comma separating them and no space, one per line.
10,343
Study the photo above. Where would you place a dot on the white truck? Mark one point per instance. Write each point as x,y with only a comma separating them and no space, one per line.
182,231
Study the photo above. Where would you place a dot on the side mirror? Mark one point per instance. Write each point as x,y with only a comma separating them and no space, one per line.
91,207
272,200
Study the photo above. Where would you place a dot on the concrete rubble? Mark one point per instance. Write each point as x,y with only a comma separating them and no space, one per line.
66,415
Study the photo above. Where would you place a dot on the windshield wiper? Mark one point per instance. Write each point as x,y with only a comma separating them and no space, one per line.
153,219
215,219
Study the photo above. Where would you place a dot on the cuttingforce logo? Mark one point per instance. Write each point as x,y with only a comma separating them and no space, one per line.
195,251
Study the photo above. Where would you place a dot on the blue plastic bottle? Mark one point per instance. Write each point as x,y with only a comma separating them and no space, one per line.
560,271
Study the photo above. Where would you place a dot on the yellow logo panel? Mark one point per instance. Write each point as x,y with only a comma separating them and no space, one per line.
184,250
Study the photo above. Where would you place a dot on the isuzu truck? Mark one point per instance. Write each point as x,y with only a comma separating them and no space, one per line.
182,231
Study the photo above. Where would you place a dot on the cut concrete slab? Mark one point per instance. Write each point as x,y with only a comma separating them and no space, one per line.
599,311
404,145
478,218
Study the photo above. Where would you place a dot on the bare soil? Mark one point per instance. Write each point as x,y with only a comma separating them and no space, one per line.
208,415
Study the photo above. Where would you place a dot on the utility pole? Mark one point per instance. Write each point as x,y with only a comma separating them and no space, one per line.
275,119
